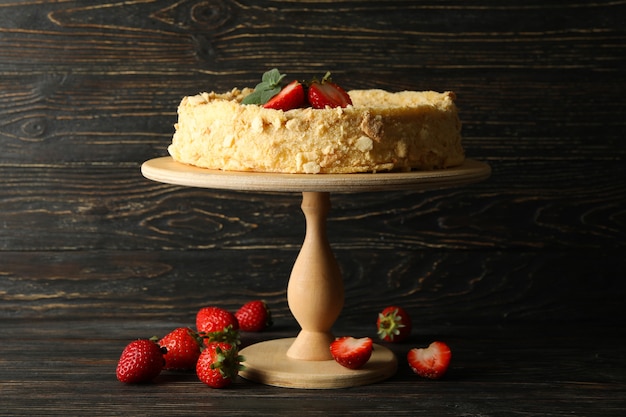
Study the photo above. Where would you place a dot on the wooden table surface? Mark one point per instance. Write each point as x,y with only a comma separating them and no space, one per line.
68,368
523,273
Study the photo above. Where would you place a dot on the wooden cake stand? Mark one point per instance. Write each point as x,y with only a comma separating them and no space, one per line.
315,291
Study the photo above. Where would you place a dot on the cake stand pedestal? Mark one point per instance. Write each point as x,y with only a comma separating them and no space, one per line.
315,291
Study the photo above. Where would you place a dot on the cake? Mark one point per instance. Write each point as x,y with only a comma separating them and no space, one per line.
380,131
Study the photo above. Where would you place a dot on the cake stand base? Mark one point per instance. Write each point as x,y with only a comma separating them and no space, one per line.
268,363
315,292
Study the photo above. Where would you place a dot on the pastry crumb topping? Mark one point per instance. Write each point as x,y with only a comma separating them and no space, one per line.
372,126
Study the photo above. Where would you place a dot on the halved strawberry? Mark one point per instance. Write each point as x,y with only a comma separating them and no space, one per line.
290,97
431,362
351,352
325,93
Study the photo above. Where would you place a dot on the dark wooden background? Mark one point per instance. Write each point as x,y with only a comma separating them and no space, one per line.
89,90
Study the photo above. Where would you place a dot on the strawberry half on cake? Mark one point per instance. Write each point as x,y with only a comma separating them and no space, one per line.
317,127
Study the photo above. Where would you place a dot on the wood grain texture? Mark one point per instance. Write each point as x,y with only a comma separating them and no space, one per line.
522,274
89,89
513,371
168,171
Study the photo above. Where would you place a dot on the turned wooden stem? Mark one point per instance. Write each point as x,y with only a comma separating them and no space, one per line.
315,292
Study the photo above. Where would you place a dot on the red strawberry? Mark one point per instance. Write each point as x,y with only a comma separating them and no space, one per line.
254,316
217,324
141,361
350,352
393,324
183,348
431,362
290,97
219,364
325,93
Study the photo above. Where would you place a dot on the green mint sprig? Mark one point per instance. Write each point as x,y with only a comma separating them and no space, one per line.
266,89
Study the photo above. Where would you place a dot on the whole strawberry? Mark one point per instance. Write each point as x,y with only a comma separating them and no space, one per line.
393,324
183,348
219,364
431,362
254,316
216,324
141,361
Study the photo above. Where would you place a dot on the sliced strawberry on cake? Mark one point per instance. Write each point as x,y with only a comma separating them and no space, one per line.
290,97
325,93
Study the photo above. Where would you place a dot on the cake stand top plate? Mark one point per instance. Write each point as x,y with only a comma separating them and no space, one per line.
166,170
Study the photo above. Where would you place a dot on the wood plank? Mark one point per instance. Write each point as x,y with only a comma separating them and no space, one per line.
70,118
103,208
219,36
495,370
522,274
435,286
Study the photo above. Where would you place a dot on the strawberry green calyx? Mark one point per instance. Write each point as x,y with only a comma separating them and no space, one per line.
390,325
394,324
228,335
228,361
325,79
266,89
219,364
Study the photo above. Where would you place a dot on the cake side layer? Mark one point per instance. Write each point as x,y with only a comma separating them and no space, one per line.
381,132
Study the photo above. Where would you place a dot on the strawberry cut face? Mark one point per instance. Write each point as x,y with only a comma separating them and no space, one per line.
431,362
351,352
290,97
327,94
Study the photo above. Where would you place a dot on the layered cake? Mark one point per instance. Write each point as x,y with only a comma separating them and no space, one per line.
370,131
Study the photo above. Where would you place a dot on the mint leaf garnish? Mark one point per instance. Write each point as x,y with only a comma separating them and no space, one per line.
266,89
273,77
